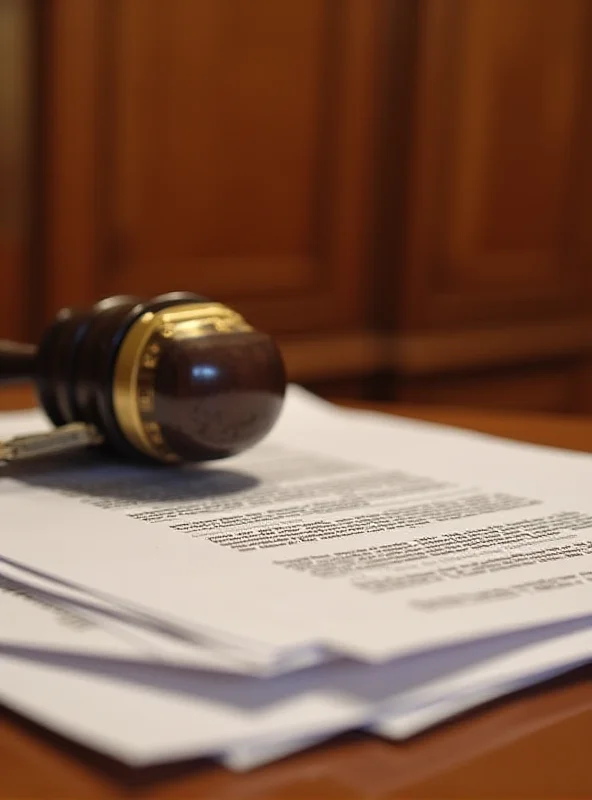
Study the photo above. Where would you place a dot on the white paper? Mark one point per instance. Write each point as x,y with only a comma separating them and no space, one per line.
360,472
142,712
252,754
144,636
106,674
419,710
142,715
540,661
40,625
399,726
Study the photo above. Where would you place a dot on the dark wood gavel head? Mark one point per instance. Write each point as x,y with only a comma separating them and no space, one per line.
176,378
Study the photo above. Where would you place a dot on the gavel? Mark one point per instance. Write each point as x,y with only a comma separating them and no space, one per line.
173,379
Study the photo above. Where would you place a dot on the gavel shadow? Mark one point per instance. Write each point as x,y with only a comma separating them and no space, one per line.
99,479
96,478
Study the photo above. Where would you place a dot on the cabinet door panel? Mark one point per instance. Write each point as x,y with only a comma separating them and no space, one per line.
502,160
15,137
232,146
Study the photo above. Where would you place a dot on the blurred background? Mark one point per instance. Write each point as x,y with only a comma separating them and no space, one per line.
399,190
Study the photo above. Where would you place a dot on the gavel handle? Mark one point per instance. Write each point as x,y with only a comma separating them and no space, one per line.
17,361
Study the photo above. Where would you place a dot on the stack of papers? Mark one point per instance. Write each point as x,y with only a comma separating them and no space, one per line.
352,571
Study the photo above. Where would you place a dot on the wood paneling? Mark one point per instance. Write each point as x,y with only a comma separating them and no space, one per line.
436,352
554,387
15,139
388,186
422,353
222,147
583,393
73,246
501,161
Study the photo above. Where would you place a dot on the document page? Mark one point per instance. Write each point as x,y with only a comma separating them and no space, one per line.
145,712
410,719
78,622
30,620
345,532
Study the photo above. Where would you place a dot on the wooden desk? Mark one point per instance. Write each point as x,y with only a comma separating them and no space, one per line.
536,744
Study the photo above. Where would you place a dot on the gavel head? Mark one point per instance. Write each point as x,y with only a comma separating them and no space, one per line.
176,378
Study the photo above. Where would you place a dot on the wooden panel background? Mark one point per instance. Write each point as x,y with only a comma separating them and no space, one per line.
392,187
16,35
502,163
554,387
223,147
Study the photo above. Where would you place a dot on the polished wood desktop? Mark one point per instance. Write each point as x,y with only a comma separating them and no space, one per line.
534,744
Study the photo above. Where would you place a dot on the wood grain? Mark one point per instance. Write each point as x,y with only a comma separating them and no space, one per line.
361,352
71,192
385,186
499,164
16,137
533,744
223,148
